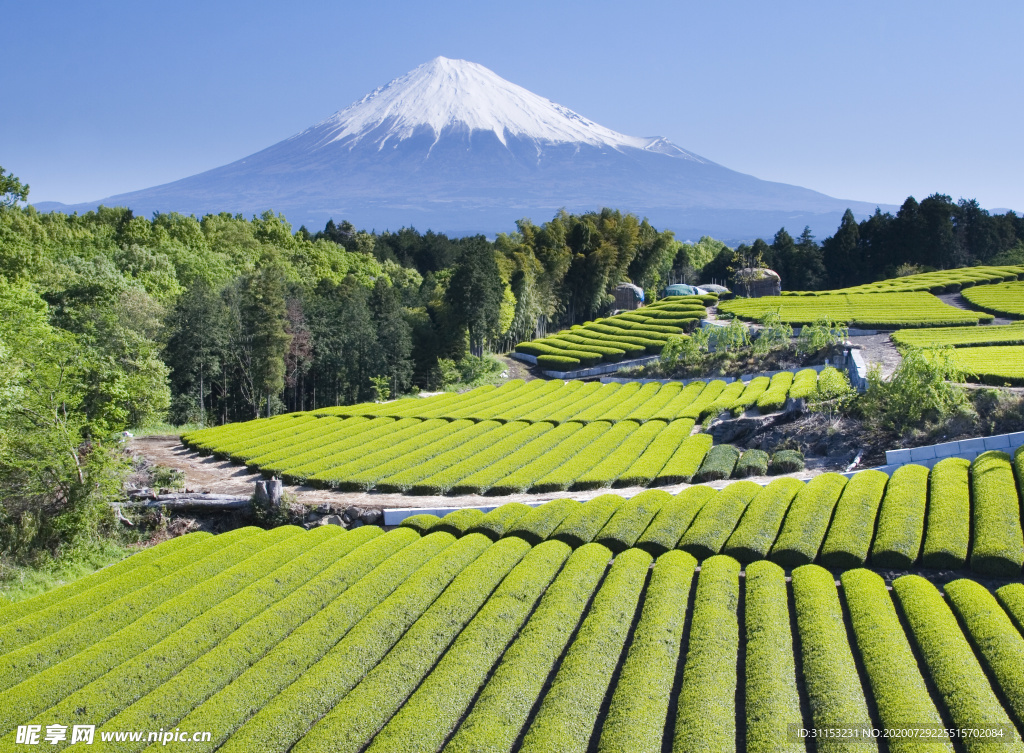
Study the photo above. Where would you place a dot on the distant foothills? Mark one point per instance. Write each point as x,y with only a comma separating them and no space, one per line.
453,147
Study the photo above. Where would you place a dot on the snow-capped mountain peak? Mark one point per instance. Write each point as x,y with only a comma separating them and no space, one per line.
444,94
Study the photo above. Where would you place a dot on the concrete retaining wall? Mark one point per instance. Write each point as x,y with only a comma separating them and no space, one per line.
964,448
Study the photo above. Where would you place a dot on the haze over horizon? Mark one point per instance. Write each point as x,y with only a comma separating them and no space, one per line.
872,106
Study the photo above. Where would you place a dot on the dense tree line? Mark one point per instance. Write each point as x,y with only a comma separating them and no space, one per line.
936,233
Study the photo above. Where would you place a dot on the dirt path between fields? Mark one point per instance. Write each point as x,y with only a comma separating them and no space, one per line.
879,349
956,299
212,476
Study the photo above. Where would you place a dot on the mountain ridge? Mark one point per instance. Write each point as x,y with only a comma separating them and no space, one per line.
451,146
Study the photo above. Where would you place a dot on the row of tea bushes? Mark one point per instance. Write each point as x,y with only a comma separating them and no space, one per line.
958,515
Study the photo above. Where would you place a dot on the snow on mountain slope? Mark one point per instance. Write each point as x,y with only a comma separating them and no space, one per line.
453,147
443,94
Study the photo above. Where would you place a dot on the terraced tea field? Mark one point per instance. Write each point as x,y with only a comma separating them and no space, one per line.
959,337
623,336
1005,300
944,281
570,627
865,310
996,364
539,436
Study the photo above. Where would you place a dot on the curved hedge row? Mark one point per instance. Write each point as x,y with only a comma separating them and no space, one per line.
808,521
853,526
504,706
913,519
772,696
568,714
363,640
638,712
833,686
706,720
901,520
1006,299
626,335
482,441
896,683
948,532
998,540
954,669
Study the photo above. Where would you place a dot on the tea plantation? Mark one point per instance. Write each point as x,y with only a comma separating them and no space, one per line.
538,436
610,625
625,336
880,310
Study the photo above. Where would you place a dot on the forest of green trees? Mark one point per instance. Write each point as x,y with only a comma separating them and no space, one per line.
110,321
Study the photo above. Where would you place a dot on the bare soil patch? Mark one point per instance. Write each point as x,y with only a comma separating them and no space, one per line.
520,370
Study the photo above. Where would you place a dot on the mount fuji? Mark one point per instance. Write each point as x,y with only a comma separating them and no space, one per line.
451,146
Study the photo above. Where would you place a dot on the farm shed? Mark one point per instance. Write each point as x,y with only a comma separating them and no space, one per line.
628,297
757,282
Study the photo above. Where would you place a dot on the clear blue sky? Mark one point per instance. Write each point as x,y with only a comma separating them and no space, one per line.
868,100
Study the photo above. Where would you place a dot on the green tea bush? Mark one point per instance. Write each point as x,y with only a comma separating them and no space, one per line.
458,522
706,718
482,480
639,705
773,398
437,706
805,384
536,525
386,687
619,460
656,455
310,554
631,519
673,519
751,463
772,698
853,525
407,582
901,519
285,719
570,709
567,473
67,660
298,620
952,666
421,523
753,390
760,524
559,363
523,472
584,522
717,520
994,637
718,463
685,461
998,547
807,521
495,523
948,531
786,461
